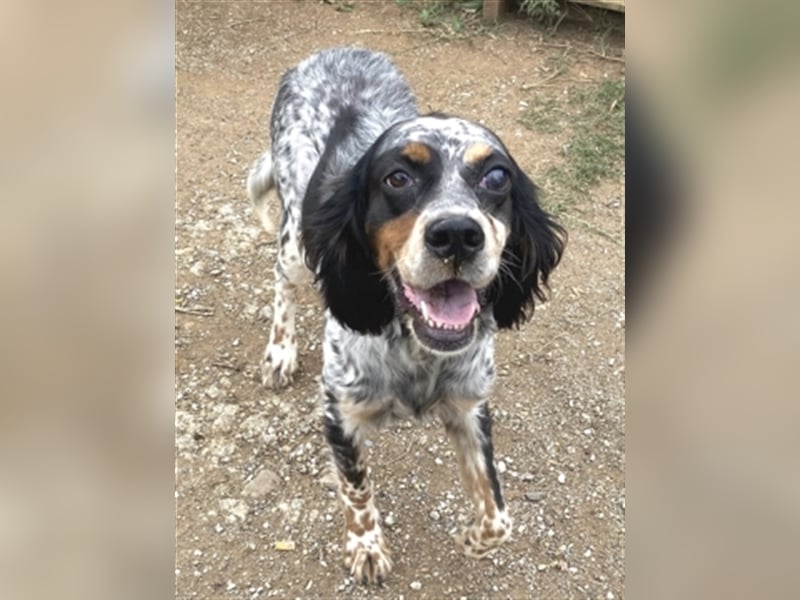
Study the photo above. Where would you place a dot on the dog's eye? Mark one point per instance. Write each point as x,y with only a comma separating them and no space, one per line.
495,180
399,179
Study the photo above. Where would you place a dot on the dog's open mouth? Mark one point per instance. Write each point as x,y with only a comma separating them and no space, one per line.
443,317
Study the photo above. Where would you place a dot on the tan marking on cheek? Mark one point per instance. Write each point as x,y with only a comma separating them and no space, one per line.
417,152
476,153
278,335
391,237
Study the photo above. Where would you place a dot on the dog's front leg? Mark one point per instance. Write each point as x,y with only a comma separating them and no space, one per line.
366,552
470,431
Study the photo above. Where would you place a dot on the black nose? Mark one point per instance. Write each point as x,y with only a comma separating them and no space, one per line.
457,237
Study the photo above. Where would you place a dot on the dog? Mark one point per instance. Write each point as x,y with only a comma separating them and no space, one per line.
423,237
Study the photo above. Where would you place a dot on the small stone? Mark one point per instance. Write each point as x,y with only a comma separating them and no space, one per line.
389,520
226,419
610,596
285,545
415,585
262,484
237,508
561,477
534,496
434,515
501,467
330,480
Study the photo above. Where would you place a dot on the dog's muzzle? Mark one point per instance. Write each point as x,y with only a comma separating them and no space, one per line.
443,313
443,316
455,239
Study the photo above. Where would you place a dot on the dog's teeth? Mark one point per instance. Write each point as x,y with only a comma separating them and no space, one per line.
423,308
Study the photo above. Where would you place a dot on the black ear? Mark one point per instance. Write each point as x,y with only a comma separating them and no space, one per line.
338,251
534,247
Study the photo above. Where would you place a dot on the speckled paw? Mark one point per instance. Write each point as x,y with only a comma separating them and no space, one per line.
369,562
278,366
478,541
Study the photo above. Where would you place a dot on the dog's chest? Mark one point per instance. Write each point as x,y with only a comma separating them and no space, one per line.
393,370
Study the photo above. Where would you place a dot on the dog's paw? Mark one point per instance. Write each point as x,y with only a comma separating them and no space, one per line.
368,557
279,365
478,540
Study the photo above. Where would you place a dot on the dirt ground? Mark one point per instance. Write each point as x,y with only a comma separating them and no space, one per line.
251,465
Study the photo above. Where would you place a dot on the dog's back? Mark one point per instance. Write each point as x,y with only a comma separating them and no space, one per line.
329,86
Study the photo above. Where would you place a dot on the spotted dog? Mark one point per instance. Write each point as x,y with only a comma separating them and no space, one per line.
424,237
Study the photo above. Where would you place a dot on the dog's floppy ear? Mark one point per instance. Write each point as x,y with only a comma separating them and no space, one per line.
338,251
533,248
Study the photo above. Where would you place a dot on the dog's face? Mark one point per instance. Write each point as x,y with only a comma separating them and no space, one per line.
438,219
449,227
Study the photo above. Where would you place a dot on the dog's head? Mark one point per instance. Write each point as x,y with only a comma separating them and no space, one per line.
435,224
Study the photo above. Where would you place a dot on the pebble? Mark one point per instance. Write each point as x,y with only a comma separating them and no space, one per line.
263,483
501,467
226,419
389,520
415,585
534,496
434,515
237,508
561,477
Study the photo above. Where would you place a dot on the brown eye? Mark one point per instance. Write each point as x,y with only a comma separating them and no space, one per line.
399,179
495,180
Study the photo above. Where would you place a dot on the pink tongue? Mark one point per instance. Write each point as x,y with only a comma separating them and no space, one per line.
452,302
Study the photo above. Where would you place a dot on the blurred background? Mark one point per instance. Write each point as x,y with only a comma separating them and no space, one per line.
86,255
86,261
713,341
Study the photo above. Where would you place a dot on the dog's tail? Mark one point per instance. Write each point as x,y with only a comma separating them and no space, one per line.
259,182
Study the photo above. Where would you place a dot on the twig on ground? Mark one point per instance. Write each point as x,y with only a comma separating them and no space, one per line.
200,311
595,229
618,59
386,31
404,453
229,367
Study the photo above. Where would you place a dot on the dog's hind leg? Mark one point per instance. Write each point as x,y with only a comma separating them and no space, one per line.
280,355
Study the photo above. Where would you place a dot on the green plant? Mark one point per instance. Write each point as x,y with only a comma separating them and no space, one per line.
446,16
592,120
549,12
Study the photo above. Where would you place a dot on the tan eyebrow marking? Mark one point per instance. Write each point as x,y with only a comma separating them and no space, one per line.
417,152
476,153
